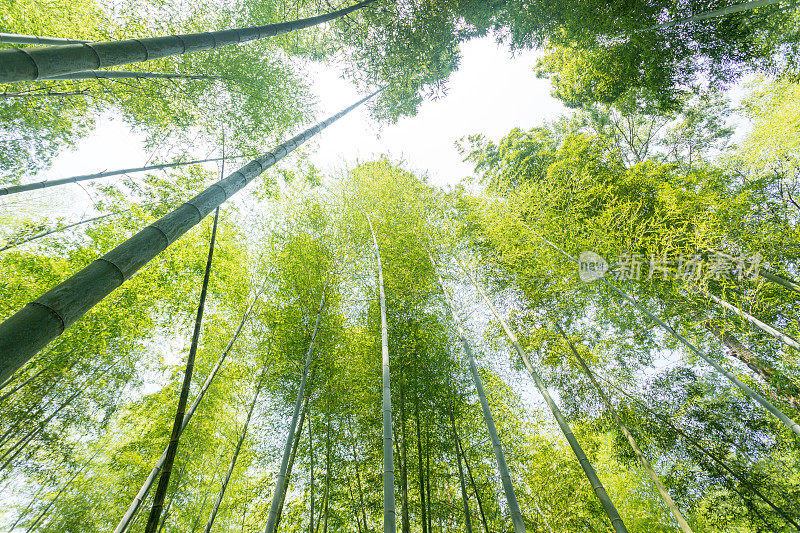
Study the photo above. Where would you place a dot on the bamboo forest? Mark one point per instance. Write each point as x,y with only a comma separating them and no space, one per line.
421,266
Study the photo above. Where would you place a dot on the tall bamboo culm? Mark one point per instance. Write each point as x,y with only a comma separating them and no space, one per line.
229,473
57,230
131,75
715,13
18,64
135,505
389,512
777,413
766,328
180,412
599,490
31,328
280,483
502,467
662,490
14,189
17,38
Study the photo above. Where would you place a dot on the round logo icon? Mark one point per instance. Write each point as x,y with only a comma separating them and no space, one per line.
591,266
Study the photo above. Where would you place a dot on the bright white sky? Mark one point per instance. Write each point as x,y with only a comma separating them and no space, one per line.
490,94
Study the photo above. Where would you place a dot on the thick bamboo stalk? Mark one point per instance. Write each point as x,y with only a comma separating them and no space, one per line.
45,62
389,513
180,412
125,74
662,490
780,280
14,189
229,473
31,328
791,424
280,483
172,496
16,38
127,519
505,477
766,328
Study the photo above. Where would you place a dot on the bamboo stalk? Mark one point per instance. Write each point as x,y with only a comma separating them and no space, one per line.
130,514
588,469
464,499
31,328
389,512
35,63
505,477
296,444
229,473
714,13
17,38
791,424
662,490
172,448
666,420
57,230
766,328
14,189
125,74
280,482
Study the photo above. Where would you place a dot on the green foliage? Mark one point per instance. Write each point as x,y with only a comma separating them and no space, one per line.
643,166
599,52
